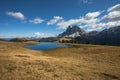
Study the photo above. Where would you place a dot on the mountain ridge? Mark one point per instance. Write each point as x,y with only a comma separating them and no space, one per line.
109,36
72,31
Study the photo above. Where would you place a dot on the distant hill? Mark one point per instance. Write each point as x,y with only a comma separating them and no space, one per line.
18,40
48,39
6,39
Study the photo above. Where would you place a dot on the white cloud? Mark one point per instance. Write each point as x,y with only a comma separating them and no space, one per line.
109,24
39,35
91,21
91,15
64,24
54,20
17,15
114,8
114,15
101,26
37,20
89,18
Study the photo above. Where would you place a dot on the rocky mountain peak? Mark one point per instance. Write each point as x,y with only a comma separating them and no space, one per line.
72,31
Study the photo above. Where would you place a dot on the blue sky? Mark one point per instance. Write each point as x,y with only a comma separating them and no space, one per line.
42,18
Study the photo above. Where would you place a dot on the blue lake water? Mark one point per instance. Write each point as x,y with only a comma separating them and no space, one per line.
46,46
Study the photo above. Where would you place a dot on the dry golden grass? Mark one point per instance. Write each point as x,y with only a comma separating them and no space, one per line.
83,62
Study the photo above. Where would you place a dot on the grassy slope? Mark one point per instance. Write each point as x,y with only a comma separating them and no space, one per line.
85,62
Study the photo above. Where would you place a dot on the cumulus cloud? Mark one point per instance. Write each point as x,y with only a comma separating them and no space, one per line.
114,8
39,35
64,24
54,20
114,15
91,21
36,20
89,18
101,25
17,15
91,15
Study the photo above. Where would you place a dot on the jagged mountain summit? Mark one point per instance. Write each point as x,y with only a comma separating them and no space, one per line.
109,36
72,31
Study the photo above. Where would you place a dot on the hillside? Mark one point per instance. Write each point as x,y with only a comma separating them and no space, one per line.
83,62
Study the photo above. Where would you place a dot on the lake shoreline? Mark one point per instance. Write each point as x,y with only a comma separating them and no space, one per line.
47,46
